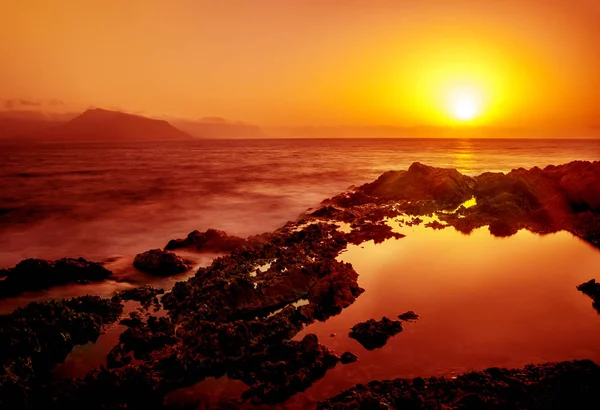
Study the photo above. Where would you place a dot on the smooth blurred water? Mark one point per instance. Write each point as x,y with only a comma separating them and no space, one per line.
99,200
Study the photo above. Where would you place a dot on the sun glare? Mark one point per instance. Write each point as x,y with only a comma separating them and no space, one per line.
464,104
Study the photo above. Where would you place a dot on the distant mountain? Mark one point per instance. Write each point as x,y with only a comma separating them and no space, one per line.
104,125
218,128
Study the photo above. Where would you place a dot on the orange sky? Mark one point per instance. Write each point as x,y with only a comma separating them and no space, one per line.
310,62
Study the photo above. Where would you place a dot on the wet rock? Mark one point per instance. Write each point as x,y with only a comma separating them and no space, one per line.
134,320
370,231
327,211
435,225
141,340
146,295
284,370
336,287
212,240
161,263
408,316
348,357
39,274
553,385
591,288
373,334
34,338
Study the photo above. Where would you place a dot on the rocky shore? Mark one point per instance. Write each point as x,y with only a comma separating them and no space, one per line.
238,316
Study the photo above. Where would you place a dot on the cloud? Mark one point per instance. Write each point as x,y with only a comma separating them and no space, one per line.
21,103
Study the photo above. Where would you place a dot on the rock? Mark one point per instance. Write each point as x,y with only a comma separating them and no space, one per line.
39,274
373,334
212,240
283,370
161,263
408,316
369,231
35,338
348,357
553,385
591,288
146,295
141,340
421,182
435,225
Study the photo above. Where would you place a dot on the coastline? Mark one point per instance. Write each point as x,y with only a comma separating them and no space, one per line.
239,315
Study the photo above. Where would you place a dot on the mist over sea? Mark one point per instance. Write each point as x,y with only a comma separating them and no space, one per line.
101,200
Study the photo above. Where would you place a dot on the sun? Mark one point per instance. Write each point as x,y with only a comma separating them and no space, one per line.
464,104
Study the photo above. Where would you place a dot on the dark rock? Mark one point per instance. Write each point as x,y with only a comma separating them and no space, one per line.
33,339
141,340
553,385
285,369
591,288
408,316
146,295
421,182
39,274
212,240
369,231
435,225
348,357
161,263
373,334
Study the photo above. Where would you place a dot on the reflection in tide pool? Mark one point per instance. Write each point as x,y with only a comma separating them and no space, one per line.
483,301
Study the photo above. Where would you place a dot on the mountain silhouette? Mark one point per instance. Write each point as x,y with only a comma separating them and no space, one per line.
104,125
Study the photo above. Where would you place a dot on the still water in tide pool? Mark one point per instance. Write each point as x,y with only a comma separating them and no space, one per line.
483,301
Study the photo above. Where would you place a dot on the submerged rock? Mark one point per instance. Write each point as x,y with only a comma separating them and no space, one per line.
39,274
212,240
161,263
373,334
565,385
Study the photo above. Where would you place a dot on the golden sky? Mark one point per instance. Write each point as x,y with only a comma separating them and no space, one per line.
310,62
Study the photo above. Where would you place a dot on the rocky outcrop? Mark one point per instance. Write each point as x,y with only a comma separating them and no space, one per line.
161,263
421,182
212,240
565,385
39,274
373,334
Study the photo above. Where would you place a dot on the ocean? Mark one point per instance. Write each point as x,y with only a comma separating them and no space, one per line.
104,200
